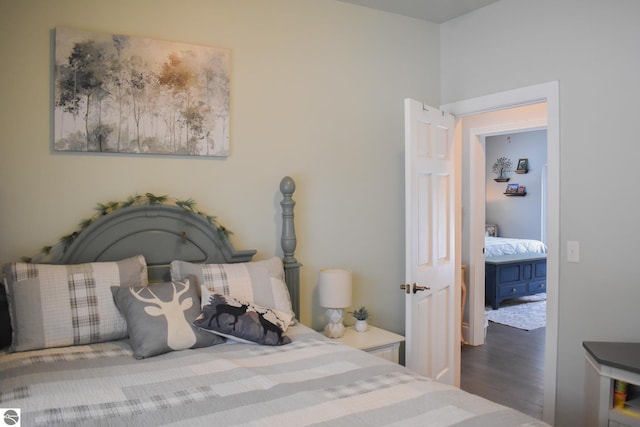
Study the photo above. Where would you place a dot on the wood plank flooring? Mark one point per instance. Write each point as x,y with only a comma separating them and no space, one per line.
507,369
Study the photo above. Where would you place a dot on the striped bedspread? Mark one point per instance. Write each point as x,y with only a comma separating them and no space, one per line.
310,382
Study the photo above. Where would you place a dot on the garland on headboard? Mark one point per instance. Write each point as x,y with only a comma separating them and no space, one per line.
103,209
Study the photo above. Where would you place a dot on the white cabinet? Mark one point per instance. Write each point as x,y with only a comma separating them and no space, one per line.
607,362
374,340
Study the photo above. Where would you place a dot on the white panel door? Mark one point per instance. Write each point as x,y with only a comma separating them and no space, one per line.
430,298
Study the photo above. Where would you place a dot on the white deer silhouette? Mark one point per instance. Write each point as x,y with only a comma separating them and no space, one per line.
180,334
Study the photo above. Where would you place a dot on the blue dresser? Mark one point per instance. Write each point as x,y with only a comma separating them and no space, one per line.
511,276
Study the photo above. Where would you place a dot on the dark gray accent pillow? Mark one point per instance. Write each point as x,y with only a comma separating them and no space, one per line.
160,317
5,321
243,321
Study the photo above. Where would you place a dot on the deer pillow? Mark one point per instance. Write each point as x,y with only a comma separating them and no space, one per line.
160,316
243,321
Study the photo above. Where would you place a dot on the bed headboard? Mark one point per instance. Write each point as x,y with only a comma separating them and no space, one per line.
163,233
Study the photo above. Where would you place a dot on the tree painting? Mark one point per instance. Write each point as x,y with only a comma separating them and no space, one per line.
122,94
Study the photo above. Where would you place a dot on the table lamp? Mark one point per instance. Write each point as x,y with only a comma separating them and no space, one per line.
334,287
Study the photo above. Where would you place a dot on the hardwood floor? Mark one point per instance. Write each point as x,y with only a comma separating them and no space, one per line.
507,369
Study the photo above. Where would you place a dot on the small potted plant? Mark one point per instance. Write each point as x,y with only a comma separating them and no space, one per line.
502,167
361,316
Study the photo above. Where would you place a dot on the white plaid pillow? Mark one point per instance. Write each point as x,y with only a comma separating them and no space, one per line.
62,305
258,282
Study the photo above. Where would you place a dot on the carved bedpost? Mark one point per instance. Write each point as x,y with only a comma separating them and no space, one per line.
289,242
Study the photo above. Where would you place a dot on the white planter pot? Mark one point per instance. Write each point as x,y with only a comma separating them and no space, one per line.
361,325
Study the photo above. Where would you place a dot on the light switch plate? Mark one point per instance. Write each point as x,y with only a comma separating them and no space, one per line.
573,251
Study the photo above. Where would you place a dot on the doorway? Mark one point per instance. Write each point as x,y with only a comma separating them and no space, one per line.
474,112
509,367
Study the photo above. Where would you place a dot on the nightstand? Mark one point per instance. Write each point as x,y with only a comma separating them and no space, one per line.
374,340
606,363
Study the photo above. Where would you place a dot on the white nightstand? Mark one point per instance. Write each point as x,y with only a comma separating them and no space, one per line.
374,340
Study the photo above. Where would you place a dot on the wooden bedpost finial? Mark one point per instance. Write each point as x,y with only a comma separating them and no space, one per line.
287,186
288,242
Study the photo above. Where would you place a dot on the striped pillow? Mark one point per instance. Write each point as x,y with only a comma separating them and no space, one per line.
258,282
63,305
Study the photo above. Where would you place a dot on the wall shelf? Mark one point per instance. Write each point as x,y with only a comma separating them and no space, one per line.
516,194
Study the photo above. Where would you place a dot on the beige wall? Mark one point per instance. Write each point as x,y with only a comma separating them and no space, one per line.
317,94
591,48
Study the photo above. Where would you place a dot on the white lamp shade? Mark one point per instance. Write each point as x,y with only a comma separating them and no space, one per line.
334,287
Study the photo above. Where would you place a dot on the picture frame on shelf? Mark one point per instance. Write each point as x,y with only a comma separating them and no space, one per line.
522,189
523,166
511,188
491,230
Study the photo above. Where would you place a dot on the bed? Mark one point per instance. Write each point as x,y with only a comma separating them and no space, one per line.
498,246
513,267
157,374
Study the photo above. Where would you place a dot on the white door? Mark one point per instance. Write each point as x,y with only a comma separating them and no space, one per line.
432,338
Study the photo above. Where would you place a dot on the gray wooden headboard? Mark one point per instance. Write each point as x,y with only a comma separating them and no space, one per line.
163,233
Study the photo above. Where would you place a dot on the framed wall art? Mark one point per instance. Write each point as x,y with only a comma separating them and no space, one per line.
523,166
121,94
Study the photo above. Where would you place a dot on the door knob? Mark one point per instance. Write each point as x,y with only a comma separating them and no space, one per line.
407,288
417,288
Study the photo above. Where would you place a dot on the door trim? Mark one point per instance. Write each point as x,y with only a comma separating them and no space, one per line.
549,93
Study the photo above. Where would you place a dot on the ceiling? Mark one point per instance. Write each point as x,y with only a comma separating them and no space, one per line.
437,11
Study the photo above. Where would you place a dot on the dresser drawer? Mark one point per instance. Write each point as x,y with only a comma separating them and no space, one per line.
390,352
537,287
512,290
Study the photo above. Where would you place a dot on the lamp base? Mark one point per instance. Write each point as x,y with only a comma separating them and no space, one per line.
335,328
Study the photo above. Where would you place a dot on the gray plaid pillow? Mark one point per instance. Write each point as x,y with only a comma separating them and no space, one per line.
63,305
258,282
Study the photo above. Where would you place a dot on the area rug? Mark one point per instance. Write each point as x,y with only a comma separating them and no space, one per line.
526,313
